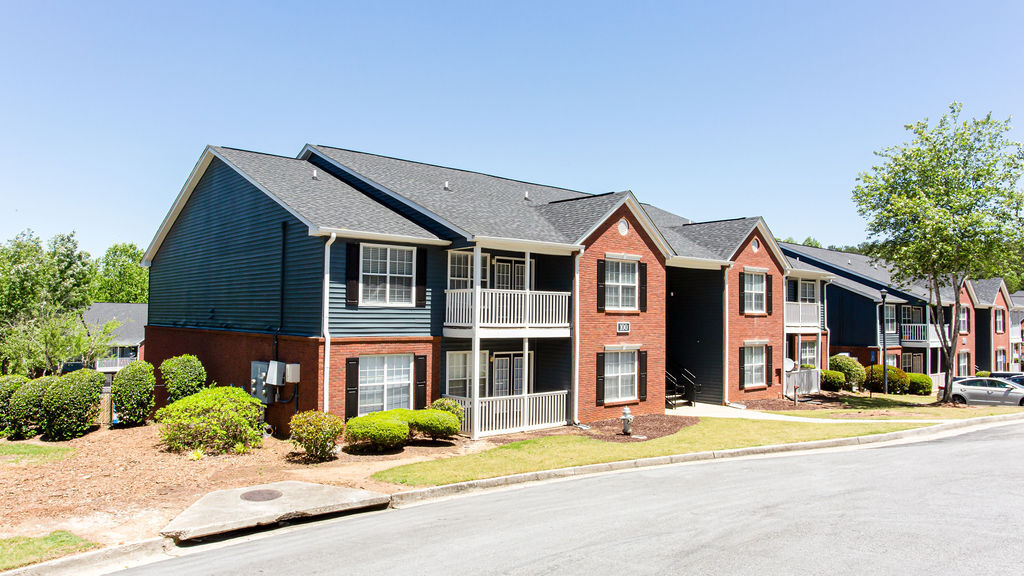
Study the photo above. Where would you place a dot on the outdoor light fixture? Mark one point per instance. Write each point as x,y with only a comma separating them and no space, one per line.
885,347
627,421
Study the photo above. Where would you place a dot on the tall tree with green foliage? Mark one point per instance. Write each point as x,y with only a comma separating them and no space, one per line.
121,275
946,207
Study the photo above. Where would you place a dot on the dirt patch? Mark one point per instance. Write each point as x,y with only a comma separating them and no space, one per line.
120,485
645,427
809,402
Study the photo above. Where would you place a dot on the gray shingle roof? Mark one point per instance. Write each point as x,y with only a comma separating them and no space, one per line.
987,290
1018,298
576,216
326,202
718,239
480,204
798,265
132,317
664,218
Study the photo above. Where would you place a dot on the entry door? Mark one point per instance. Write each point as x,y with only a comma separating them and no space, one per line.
509,276
502,377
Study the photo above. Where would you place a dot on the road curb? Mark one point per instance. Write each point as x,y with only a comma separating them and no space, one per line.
112,558
408,497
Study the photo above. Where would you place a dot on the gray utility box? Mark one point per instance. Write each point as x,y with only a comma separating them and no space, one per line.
268,378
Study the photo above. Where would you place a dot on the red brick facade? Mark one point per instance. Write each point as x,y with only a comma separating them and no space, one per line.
756,327
343,348
597,329
965,341
1001,340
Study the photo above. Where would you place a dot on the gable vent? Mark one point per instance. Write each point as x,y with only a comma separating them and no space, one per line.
526,194
446,186
315,177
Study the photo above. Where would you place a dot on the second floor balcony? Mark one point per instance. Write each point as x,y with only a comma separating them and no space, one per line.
503,310
803,314
920,334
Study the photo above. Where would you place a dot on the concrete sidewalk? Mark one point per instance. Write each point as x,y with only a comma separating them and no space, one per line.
716,411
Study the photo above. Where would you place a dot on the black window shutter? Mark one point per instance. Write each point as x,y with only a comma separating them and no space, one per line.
743,359
768,293
421,278
641,360
792,291
743,291
351,387
352,274
600,377
600,285
642,292
769,376
419,371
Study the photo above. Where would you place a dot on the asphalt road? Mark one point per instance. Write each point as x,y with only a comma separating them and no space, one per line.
947,506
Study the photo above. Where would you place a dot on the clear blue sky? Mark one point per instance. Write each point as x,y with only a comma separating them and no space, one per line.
713,110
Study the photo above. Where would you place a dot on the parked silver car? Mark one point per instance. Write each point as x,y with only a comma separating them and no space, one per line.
973,390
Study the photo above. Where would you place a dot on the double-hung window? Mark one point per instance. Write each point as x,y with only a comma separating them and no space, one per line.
460,270
460,370
385,382
892,360
809,352
1001,360
808,292
964,321
619,376
387,275
890,318
753,293
1000,315
754,366
620,281
963,364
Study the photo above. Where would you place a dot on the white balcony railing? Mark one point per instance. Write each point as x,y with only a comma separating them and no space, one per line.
1015,333
112,364
508,308
803,314
919,333
505,414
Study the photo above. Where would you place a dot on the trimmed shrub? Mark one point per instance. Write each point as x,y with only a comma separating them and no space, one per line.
434,423
899,383
317,433
214,420
920,384
8,386
72,404
807,366
132,393
183,376
449,405
832,380
377,431
982,373
26,407
852,370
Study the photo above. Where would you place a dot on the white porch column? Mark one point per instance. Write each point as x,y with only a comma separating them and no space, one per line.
526,381
529,296
928,337
476,343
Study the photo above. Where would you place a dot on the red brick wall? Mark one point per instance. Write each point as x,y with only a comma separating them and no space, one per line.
343,348
598,329
863,353
1001,339
965,299
751,326
227,357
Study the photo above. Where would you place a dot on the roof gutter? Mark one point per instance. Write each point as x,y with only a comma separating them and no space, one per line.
519,244
374,236
325,325
699,263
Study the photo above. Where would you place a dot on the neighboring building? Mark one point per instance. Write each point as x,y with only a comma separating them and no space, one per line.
1016,324
859,324
129,336
993,322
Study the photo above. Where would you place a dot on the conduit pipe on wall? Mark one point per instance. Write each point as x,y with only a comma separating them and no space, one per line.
325,321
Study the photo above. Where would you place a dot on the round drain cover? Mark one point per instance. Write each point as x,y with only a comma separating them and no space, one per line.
261,495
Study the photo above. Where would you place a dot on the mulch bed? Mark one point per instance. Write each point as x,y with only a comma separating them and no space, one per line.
644,427
820,401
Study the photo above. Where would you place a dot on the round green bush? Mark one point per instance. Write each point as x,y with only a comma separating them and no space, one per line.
434,423
379,433
807,366
72,404
215,420
26,407
832,380
132,393
920,384
183,376
899,383
983,373
317,433
8,386
449,405
851,369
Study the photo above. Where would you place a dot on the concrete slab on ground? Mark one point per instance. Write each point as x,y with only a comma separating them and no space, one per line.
240,508
700,410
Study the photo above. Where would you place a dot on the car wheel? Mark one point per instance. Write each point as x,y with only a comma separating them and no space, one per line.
958,399
1021,403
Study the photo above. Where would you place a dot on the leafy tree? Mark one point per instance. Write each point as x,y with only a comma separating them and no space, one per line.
946,207
810,241
121,275
46,343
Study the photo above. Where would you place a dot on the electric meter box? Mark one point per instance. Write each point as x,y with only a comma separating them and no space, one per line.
275,373
291,373
260,389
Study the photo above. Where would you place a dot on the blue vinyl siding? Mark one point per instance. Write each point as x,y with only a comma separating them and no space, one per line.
219,266
387,321
694,329
552,359
851,318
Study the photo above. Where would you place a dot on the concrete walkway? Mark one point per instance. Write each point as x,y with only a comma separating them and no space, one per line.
717,411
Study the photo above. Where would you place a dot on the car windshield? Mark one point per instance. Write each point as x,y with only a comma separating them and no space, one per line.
1019,379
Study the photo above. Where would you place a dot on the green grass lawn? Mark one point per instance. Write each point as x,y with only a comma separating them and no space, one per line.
16,453
889,407
551,452
21,551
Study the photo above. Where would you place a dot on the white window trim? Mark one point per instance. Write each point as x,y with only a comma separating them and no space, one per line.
636,287
636,377
1000,320
511,367
800,291
751,385
387,291
484,361
485,260
384,397
896,359
885,319
964,357
815,359
1001,366
963,324
763,293
512,268
620,256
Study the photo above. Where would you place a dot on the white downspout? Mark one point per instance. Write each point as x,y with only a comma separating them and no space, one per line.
576,339
725,333
325,326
